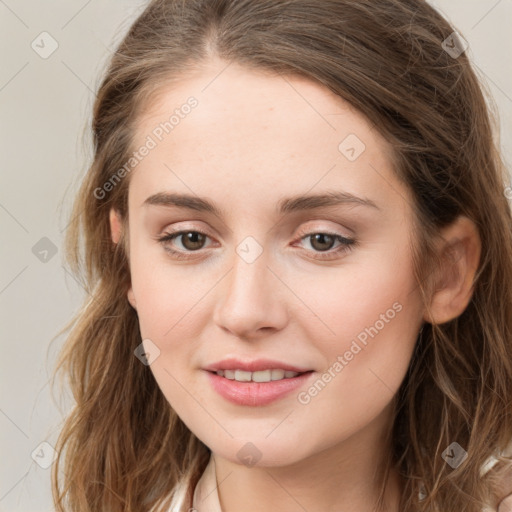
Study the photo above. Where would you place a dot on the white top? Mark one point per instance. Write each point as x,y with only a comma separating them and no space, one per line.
206,497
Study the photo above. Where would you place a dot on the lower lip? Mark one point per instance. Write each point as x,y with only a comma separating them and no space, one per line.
256,393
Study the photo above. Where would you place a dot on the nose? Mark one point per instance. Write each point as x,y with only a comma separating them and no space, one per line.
251,299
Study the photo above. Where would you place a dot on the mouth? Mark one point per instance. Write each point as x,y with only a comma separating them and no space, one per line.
255,366
255,382
260,376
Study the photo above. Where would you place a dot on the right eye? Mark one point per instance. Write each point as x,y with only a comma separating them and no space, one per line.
191,241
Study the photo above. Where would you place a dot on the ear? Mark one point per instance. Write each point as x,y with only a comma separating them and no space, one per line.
116,230
116,225
131,298
459,253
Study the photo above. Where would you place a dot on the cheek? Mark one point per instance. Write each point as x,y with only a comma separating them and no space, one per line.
168,305
166,294
366,331
169,317
366,359
350,300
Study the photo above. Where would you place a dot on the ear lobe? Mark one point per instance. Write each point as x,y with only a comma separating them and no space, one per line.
131,298
116,225
460,251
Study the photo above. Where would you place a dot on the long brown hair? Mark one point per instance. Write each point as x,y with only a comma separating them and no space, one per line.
123,448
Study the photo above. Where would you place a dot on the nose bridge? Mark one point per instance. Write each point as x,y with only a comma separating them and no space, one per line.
250,297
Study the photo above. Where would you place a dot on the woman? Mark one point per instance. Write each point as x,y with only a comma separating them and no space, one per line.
299,251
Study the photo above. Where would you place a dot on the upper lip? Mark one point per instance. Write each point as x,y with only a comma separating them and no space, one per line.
253,366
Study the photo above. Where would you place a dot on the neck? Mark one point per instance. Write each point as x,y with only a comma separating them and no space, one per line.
344,477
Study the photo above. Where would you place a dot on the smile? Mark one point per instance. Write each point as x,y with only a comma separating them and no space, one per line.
259,376
257,388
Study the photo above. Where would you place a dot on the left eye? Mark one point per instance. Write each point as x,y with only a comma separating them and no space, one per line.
190,240
323,242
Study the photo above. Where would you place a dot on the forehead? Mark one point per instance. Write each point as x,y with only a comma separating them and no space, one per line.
258,134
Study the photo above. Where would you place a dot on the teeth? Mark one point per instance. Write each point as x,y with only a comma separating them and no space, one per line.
278,374
262,376
242,376
259,376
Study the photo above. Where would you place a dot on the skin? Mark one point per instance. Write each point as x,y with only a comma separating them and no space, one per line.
253,140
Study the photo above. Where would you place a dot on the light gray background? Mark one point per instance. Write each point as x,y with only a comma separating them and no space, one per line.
45,106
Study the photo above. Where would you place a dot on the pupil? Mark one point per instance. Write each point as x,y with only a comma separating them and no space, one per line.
321,237
192,237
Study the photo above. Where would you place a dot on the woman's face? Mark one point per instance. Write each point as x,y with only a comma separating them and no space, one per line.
324,286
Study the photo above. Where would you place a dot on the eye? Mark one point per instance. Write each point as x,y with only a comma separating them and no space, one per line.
191,240
322,242
194,240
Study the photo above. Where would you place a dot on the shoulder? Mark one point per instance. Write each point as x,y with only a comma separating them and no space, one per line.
501,481
498,472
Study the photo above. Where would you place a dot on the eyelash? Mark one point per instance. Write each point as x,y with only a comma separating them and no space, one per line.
347,244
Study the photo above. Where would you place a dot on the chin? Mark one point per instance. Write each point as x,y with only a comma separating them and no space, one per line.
258,451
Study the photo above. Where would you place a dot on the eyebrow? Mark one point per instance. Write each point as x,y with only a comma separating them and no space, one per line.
287,205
